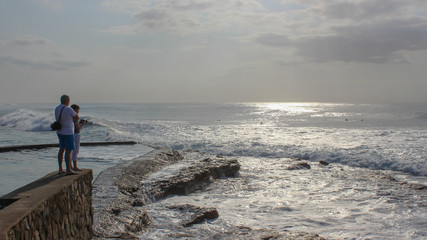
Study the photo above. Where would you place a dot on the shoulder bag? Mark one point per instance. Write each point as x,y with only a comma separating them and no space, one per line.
57,125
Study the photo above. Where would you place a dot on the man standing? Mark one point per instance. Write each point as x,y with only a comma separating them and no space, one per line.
66,116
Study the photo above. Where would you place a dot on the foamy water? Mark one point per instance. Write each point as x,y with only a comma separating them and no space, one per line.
347,199
334,201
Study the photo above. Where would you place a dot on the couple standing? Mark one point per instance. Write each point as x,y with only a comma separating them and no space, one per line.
68,135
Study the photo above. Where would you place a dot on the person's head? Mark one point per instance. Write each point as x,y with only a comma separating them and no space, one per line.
76,108
65,99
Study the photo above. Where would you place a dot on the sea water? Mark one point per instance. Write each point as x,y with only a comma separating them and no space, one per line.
352,198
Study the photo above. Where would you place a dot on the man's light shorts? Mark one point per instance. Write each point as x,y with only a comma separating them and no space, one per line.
66,141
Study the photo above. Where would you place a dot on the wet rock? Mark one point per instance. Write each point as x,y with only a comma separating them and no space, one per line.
193,178
196,214
131,176
128,235
244,233
205,215
324,163
139,223
388,177
304,236
416,186
301,158
139,202
298,166
120,193
117,209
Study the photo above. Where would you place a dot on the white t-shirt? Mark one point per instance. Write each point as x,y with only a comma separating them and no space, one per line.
67,123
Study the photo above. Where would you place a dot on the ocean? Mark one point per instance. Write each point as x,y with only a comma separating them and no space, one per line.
365,145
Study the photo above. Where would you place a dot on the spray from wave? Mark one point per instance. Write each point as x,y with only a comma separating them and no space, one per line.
27,120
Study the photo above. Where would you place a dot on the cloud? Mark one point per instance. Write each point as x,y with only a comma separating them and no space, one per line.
374,31
178,17
122,30
191,5
376,42
362,10
54,65
186,16
30,41
337,12
273,40
52,4
155,19
39,53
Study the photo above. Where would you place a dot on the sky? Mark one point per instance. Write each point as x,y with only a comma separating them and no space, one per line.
112,51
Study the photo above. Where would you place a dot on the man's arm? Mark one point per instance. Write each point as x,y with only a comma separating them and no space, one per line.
76,118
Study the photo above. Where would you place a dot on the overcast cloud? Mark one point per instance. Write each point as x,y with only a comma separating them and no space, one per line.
206,50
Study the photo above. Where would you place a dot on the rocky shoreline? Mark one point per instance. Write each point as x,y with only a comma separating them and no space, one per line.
121,193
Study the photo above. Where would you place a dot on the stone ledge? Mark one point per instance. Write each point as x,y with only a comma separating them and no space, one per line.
49,207
50,145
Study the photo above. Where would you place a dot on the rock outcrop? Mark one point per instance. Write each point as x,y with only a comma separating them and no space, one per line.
197,214
324,163
120,193
298,166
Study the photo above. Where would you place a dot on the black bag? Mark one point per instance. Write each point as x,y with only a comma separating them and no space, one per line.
57,125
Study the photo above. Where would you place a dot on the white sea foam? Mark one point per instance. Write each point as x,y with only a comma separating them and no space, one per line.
335,201
397,149
27,120
389,138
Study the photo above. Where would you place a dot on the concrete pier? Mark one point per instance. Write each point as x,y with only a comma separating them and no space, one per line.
49,145
53,207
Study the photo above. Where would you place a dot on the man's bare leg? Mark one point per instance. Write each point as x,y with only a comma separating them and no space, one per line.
60,159
68,161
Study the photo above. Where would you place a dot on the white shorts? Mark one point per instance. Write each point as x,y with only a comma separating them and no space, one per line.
77,146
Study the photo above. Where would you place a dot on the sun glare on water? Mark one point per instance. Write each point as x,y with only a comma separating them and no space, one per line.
291,108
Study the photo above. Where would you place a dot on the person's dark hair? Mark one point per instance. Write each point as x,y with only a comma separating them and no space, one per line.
64,98
75,107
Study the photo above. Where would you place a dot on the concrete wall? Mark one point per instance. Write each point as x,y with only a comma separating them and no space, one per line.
53,207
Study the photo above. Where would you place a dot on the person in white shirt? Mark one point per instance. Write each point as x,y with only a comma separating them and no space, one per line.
78,125
67,117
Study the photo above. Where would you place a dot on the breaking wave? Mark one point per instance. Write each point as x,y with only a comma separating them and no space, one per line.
27,120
